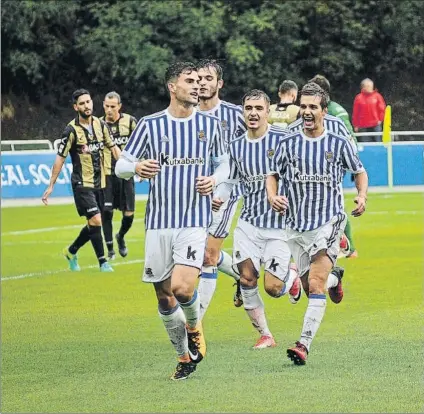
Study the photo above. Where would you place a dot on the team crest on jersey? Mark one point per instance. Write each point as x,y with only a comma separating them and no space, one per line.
224,125
329,156
270,153
164,138
114,130
201,135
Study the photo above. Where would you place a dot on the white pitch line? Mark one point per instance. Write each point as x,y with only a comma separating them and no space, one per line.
50,229
54,272
58,242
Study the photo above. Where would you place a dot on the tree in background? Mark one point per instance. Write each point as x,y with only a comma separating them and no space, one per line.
52,47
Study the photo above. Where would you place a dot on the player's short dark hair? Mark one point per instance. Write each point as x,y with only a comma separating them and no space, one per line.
78,93
287,86
112,95
177,68
255,94
211,63
322,81
313,89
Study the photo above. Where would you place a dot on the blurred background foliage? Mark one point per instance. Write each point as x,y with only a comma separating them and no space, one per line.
50,48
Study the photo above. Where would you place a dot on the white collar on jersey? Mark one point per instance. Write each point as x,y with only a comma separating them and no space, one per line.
212,110
255,140
324,134
180,119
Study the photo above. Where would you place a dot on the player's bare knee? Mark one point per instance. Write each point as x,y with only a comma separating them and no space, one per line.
166,299
211,256
248,276
316,286
273,289
95,220
183,292
273,285
128,213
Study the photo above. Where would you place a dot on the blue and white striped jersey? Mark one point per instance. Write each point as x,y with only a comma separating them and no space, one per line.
312,170
250,163
231,117
233,126
186,149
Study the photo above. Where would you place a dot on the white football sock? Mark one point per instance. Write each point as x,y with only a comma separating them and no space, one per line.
225,265
175,324
254,306
289,283
206,288
332,281
313,317
191,310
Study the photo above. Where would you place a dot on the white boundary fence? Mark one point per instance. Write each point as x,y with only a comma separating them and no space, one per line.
389,146
19,145
15,144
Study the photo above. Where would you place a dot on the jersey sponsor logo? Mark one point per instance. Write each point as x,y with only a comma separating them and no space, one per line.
255,178
91,148
123,140
167,161
312,178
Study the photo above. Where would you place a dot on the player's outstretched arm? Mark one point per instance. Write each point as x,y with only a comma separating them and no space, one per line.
56,169
361,181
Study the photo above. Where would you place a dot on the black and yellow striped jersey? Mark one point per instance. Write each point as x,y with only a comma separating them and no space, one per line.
121,130
283,114
86,148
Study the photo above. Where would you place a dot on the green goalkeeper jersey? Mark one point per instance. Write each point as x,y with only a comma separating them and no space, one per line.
337,110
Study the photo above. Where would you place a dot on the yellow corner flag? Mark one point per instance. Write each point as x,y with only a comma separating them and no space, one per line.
387,126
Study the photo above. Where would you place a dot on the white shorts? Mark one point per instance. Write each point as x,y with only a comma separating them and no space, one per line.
223,218
306,244
166,248
262,246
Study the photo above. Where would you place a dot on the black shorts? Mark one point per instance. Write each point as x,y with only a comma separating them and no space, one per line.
119,194
88,202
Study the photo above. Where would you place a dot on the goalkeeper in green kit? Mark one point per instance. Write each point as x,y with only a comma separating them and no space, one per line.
337,110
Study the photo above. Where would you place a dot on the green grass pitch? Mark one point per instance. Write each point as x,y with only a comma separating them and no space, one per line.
93,342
